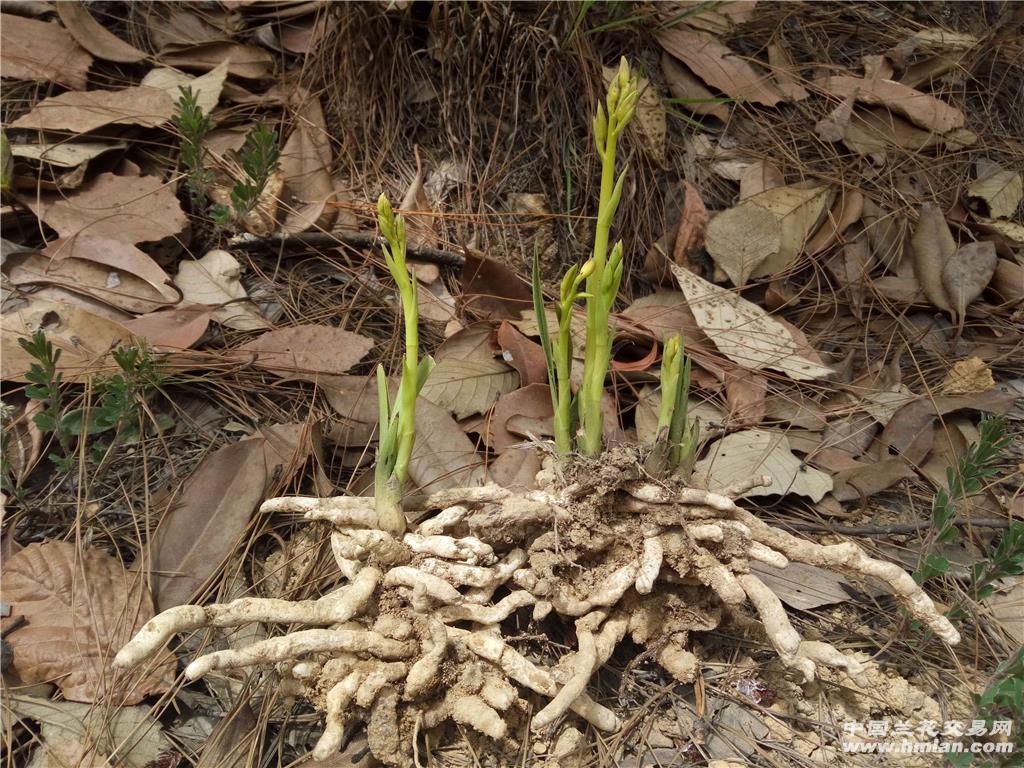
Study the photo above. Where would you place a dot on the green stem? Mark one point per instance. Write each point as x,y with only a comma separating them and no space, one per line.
598,349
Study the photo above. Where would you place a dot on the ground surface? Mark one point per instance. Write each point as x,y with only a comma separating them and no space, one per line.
851,170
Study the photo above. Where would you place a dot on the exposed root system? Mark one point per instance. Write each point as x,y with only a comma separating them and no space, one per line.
414,638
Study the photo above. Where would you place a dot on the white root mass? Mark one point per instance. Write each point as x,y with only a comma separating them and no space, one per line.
414,637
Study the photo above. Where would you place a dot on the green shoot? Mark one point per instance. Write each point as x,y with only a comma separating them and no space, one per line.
117,417
606,271
676,446
193,125
260,158
397,419
45,387
559,353
1002,700
977,464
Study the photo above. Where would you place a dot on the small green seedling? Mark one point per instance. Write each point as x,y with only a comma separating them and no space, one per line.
115,419
976,465
193,125
676,446
397,419
602,273
45,387
259,158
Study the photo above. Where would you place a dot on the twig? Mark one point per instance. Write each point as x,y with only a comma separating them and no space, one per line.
894,528
351,239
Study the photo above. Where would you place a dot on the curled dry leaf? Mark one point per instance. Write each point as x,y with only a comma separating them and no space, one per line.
306,163
111,271
758,177
92,736
469,386
246,61
692,94
845,212
84,111
132,209
84,338
744,332
94,37
442,455
203,523
934,246
693,221
533,403
968,273
526,356
171,330
215,280
308,352
766,232
207,89
718,66
491,290
999,189
65,154
922,109
753,452
39,50
1008,282
81,606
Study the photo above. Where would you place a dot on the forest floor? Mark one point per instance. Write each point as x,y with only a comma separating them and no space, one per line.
824,199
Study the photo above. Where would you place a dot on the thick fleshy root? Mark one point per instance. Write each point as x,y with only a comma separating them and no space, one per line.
414,637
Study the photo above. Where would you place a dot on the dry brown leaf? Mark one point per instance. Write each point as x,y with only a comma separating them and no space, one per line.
132,209
739,239
469,385
1010,230
694,96
202,525
491,290
108,270
922,109
526,356
65,154
306,162
532,402
308,352
693,221
1008,282
84,338
94,37
81,606
1001,190
207,89
418,211
696,14
745,394
1007,607
742,455
909,433
782,68
718,66
354,399
171,330
835,126
866,480
215,281
232,740
516,469
39,50
798,211
665,314
804,586
934,246
95,736
846,211
744,332
84,111
442,456
968,273
758,177
246,61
